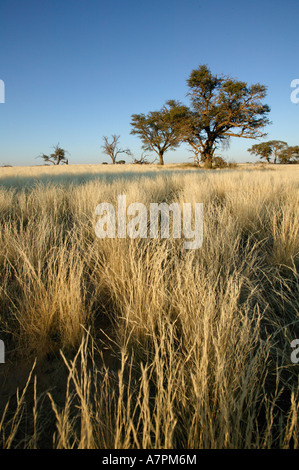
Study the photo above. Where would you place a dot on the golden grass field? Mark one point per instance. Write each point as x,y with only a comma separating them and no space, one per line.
122,343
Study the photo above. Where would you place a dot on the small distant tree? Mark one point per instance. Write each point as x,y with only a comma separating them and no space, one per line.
112,148
289,155
265,150
159,130
277,146
58,157
143,160
262,150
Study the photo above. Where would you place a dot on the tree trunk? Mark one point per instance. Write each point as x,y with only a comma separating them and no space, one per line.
207,154
208,163
161,161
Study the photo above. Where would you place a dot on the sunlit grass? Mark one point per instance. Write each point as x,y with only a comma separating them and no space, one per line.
154,346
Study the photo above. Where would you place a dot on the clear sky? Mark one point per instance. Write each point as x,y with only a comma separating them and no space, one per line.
75,70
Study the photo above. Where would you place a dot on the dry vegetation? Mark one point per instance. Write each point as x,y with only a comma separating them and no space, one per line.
141,343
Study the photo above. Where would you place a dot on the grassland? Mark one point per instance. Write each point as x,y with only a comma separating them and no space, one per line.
140,343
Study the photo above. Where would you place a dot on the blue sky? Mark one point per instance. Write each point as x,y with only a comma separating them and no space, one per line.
75,70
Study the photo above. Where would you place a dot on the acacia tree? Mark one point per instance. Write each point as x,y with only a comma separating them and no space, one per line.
160,130
221,108
262,150
277,146
57,157
112,148
289,154
268,149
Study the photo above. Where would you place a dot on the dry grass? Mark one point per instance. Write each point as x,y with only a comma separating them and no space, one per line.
141,343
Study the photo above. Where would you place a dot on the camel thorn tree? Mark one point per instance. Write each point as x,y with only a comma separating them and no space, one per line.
221,108
159,130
